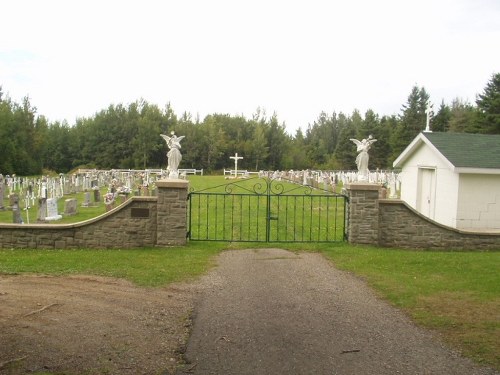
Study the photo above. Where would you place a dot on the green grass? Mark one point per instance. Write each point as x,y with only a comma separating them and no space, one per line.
149,267
83,213
455,293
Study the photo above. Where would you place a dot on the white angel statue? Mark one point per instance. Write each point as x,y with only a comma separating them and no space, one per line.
362,158
174,155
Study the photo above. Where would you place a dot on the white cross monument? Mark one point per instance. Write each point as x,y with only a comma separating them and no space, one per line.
430,113
236,158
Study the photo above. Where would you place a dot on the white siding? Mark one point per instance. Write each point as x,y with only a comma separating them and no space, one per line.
446,197
479,202
446,184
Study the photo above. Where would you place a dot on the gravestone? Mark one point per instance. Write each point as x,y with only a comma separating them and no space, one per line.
16,211
97,196
109,200
13,198
2,192
70,207
86,199
52,213
42,209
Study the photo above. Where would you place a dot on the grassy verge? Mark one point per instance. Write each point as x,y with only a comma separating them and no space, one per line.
149,267
454,293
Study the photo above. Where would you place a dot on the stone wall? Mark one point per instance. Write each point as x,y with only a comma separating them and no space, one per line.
392,223
139,222
363,213
172,212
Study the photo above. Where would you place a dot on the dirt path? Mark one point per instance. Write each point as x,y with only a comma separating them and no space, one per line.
270,311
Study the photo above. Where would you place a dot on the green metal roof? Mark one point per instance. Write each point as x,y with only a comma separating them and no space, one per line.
468,150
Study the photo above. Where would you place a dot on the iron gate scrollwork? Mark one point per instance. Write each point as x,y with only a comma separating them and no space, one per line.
266,210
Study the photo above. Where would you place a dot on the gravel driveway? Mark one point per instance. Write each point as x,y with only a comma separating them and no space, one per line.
270,311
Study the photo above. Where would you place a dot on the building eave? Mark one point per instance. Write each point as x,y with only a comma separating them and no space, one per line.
468,170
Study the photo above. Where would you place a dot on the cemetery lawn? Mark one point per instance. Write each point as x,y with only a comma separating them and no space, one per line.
83,213
456,294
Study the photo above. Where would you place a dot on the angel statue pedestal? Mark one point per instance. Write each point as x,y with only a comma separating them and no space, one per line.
173,155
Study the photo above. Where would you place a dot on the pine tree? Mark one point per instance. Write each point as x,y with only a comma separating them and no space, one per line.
412,121
441,121
488,104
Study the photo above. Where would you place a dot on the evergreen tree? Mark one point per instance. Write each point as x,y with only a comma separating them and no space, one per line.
259,150
412,120
277,141
463,117
488,104
345,153
441,121
298,155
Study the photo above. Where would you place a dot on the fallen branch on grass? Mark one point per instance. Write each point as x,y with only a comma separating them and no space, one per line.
4,364
40,310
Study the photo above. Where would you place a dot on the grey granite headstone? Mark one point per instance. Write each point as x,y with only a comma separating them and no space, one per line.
70,207
42,209
97,196
16,211
86,199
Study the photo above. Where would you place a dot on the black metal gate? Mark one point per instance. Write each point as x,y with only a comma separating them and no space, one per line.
266,210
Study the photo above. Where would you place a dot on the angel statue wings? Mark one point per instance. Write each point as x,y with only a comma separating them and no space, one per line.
173,155
362,158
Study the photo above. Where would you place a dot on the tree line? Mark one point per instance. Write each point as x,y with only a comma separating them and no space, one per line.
128,136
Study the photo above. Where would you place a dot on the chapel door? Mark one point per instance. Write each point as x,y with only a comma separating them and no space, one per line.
426,192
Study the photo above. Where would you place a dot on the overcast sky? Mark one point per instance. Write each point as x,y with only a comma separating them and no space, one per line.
295,58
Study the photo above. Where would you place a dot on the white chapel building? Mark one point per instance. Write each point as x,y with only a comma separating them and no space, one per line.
453,178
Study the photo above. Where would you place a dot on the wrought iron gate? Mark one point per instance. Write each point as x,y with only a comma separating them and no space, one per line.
266,210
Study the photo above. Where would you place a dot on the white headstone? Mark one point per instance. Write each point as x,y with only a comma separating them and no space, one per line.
52,210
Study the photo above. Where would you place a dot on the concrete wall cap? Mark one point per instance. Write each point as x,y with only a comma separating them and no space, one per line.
172,183
362,186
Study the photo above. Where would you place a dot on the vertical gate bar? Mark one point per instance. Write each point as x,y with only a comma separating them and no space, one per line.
319,218
327,219
207,220
258,215
286,218
216,215
232,217
249,217
294,218
311,197
346,221
278,218
303,217
224,218
336,215
268,212
189,222
199,217
241,216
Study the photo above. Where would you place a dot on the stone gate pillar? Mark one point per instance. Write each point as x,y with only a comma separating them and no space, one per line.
363,213
171,218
